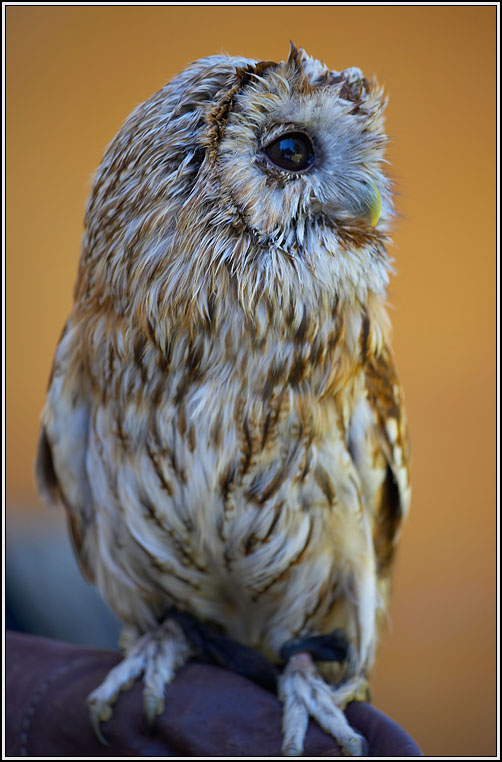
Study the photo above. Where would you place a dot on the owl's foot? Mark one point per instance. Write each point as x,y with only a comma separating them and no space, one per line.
305,694
156,655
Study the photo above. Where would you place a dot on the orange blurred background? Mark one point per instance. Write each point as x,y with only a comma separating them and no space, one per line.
75,72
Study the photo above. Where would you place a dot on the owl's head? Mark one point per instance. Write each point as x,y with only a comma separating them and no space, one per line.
258,181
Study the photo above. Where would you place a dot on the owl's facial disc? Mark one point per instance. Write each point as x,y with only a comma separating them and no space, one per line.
298,150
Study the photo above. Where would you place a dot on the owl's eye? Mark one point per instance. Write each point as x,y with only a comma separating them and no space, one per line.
292,151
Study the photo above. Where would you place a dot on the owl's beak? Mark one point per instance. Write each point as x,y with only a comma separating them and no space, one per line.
375,205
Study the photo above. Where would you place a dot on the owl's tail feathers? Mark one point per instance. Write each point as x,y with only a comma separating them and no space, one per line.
157,656
305,694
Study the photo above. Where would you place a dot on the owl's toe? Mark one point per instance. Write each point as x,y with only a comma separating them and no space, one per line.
304,694
156,655
153,705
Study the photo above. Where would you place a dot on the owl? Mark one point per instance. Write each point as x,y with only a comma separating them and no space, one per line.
224,423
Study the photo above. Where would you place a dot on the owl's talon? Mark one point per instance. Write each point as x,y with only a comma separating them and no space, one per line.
291,751
97,715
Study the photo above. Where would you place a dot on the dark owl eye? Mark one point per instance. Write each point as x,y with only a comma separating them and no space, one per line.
293,151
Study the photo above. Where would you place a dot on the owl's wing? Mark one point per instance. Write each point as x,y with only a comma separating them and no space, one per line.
379,446
60,466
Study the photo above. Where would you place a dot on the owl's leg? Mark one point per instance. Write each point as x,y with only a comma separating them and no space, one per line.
304,694
157,656
129,635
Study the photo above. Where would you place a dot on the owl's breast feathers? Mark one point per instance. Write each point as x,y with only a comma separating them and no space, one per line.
236,474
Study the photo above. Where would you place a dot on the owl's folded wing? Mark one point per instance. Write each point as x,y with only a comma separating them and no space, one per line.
379,445
60,466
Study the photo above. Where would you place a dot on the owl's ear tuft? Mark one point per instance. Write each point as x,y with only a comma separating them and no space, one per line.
244,73
355,86
296,56
293,53
296,63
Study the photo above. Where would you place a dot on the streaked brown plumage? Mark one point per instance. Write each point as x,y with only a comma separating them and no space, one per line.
224,423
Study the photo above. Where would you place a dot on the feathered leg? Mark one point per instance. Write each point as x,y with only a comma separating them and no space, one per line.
304,693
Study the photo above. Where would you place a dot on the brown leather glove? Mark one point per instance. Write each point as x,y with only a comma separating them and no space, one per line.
210,712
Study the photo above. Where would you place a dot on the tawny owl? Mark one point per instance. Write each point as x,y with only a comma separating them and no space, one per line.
224,424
